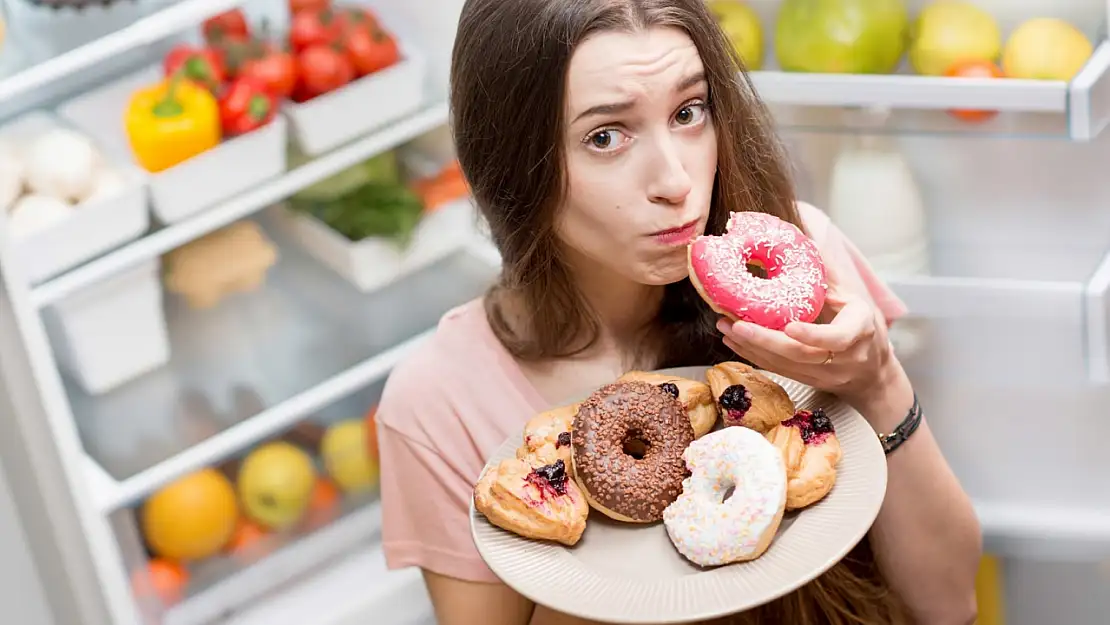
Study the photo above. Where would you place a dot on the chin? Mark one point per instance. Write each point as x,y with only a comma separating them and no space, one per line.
664,272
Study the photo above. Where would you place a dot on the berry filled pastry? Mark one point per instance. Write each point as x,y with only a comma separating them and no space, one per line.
811,452
547,436
747,397
541,503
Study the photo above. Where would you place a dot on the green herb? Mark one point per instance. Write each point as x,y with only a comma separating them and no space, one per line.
372,210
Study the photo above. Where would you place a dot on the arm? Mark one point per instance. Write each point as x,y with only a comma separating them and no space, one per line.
926,538
459,602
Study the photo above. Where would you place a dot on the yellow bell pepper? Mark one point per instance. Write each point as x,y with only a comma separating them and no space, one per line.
171,122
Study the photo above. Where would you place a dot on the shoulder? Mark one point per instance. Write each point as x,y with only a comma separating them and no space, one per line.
815,222
425,384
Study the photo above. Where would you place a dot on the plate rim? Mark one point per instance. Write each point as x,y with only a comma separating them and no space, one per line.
879,482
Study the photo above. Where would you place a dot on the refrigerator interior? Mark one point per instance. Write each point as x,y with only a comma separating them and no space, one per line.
1012,366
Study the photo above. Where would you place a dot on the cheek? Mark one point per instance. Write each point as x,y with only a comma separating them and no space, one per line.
599,206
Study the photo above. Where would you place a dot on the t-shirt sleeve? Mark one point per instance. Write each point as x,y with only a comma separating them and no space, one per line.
851,267
425,495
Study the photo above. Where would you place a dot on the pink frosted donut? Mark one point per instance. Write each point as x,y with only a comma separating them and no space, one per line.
794,286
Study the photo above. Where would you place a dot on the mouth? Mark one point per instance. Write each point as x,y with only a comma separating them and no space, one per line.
680,235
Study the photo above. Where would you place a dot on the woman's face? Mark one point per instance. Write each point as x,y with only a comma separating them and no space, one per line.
641,154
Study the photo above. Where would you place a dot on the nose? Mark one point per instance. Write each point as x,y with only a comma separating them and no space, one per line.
671,184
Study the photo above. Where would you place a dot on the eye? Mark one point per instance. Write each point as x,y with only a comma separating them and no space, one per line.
605,140
690,114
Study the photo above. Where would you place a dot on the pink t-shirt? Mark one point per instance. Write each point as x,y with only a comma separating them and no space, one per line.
451,404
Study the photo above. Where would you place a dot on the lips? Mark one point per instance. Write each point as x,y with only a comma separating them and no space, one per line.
677,236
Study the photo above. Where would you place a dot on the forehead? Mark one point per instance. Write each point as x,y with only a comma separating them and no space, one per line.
621,66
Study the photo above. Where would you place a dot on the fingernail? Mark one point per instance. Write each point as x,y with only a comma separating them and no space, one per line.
723,326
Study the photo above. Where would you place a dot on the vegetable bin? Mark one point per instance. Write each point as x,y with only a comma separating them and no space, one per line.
359,107
373,263
111,332
112,212
236,165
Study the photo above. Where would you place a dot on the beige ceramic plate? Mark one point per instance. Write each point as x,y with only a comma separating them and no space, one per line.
622,573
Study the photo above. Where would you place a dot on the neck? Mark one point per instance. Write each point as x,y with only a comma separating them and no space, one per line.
623,307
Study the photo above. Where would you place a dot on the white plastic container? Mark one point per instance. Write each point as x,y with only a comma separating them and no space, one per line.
94,227
113,331
374,263
367,104
236,165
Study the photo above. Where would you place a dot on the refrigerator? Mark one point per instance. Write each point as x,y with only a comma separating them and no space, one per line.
1003,258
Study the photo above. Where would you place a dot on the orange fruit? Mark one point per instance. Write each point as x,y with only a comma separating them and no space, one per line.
249,542
974,69
163,578
191,518
323,505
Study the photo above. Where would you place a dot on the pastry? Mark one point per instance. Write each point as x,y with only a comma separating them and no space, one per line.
696,397
747,397
547,436
534,502
811,452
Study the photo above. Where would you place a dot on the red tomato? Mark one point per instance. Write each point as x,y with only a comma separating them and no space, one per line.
201,65
162,578
322,68
974,69
296,6
370,50
275,69
356,17
312,28
246,105
227,25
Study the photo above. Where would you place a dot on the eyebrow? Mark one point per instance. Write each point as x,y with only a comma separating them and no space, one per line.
618,107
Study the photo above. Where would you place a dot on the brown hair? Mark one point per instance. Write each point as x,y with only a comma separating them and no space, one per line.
508,75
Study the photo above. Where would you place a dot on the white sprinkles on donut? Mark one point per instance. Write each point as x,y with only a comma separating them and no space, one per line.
795,287
712,532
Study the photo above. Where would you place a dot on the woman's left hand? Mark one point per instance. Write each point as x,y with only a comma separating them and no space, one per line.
846,356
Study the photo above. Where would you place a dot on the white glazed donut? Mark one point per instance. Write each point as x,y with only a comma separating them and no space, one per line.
712,532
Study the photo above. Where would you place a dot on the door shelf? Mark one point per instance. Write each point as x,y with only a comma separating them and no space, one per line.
1026,314
1078,110
303,341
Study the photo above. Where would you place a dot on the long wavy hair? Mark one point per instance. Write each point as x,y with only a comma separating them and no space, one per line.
508,76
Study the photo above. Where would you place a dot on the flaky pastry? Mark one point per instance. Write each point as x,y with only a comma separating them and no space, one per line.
811,452
542,503
547,436
747,397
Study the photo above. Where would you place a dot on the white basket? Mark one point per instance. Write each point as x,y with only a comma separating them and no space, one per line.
236,165
93,228
367,104
113,331
374,263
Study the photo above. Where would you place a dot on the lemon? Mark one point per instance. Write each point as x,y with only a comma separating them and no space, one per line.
742,27
947,32
1046,48
347,458
275,484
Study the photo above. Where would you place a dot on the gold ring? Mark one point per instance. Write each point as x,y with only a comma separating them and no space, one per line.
829,359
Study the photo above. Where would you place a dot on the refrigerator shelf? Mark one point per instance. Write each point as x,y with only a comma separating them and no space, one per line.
223,587
1080,108
302,342
174,17
208,220
1042,532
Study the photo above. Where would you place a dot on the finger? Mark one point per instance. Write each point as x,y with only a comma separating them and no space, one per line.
854,322
775,342
770,362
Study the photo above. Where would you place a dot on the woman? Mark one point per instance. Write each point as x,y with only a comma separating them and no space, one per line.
599,136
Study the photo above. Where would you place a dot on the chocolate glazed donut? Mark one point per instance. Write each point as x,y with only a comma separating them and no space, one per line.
627,445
